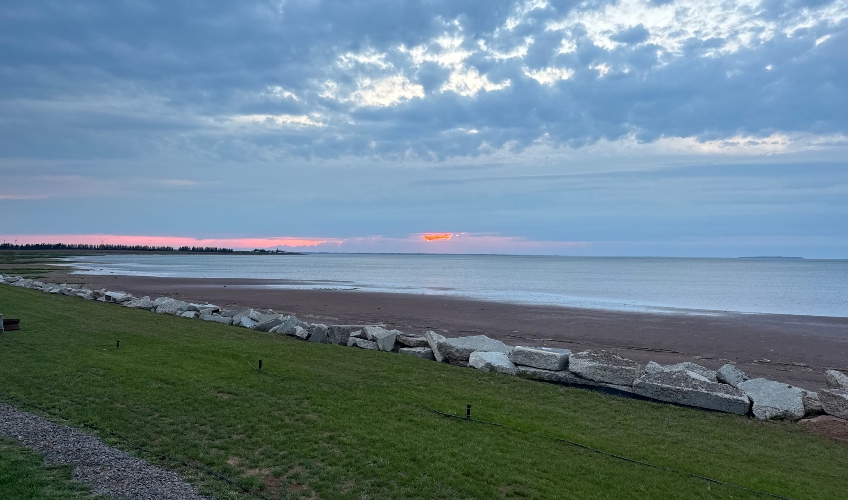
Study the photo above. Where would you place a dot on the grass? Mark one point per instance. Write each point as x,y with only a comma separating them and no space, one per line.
22,475
335,422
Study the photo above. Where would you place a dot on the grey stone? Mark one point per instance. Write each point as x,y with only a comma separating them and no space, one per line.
301,333
604,367
433,340
545,358
412,341
774,400
244,322
269,321
812,403
836,380
319,331
117,297
238,315
363,344
287,326
557,377
173,306
459,349
690,389
189,314
730,375
217,319
142,303
385,339
339,334
255,315
835,402
230,313
654,367
418,352
692,367
492,362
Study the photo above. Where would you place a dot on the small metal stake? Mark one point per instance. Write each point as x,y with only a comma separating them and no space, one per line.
260,365
118,345
468,412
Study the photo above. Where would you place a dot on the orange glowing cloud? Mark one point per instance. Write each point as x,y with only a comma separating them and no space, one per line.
437,236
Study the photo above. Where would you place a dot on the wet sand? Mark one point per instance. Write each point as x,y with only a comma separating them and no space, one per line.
794,349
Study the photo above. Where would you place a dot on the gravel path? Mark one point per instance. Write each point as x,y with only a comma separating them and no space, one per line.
108,471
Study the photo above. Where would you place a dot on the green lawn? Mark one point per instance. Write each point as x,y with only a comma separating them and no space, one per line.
23,476
346,423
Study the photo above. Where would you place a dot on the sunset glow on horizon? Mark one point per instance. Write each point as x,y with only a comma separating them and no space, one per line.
437,236
173,241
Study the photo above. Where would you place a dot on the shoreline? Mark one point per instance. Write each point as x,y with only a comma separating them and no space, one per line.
792,348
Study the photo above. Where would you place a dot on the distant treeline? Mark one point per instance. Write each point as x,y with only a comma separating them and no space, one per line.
106,247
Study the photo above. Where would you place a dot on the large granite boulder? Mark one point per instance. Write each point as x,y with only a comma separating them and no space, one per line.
556,377
302,333
492,362
258,315
339,334
836,380
412,341
189,314
545,358
120,297
835,402
267,322
244,321
287,326
173,306
418,352
217,319
316,331
433,340
730,375
774,400
385,339
691,389
458,350
812,403
362,344
687,366
604,367
142,303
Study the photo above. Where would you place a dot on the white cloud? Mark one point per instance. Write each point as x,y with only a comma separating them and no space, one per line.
313,120
446,51
519,51
522,10
549,76
280,93
603,69
469,82
382,92
368,58
822,39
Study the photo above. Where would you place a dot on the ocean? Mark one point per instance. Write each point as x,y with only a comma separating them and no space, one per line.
661,285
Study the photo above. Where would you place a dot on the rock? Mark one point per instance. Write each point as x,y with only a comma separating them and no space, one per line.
691,389
654,367
189,314
605,367
492,362
287,326
385,339
774,400
217,319
730,375
339,334
545,358
835,402
433,340
142,303
412,341
173,306
269,321
459,349
210,310
317,331
836,380
244,322
238,315
363,344
418,352
301,333
118,297
557,377
692,367
812,403
231,313
255,316
359,334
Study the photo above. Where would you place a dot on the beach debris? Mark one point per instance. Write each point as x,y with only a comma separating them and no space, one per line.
433,340
497,362
418,352
362,344
774,400
217,319
835,402
605,367
412,340
385,339
730,375
836,380
691,389
458,350
812,403
545,358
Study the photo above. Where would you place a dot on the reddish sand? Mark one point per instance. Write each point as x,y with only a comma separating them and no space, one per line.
794,349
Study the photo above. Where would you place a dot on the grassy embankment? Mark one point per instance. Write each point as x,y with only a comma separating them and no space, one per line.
347,423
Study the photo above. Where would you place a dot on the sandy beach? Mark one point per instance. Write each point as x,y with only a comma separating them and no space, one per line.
790,348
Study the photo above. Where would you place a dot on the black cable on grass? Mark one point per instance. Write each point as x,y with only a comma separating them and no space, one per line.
137,446
612,455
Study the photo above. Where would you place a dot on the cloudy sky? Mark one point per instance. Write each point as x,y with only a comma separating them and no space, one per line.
630,127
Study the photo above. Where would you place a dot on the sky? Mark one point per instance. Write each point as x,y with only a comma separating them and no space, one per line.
617,128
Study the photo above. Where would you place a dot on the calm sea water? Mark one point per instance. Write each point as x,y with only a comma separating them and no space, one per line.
672,285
